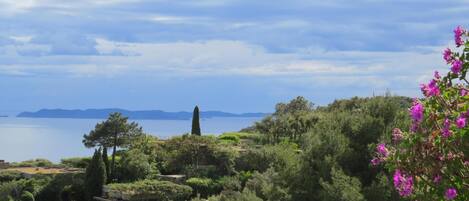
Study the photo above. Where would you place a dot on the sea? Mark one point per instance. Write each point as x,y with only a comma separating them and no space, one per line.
54,138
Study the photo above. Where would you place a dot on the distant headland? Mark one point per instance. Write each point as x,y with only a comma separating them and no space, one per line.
141,114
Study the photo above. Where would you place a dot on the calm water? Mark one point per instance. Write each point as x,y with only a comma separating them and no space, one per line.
27,138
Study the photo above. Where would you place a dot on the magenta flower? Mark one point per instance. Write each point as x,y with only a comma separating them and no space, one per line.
437,179
458,32
461,122
416,111
436,75
431,89
448,55
457,66
382,150
464,92
445,131
375,161
403,183
451,193
397,135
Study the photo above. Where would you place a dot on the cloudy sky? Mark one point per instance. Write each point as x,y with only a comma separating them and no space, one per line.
236,56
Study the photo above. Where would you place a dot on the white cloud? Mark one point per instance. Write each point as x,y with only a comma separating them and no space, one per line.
318,67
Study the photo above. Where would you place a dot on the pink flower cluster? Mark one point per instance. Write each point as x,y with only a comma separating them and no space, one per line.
416,113
403,183
458,32
430,89
381,154
456,64
445,132
451,193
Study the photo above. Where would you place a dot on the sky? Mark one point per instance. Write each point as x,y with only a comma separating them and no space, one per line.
229,55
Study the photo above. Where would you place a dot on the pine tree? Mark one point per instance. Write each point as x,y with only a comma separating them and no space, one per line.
106,164
196,122
95,176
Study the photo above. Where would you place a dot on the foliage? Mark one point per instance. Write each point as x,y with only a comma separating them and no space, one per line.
27,196
196,122
153,190
77,162
341,188
34,163
192,152
134,166
95,176
429,162
9,175
290,121
232,138
114,132
234,196
269,186
203,186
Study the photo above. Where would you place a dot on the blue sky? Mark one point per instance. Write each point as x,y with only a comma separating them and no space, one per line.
236,56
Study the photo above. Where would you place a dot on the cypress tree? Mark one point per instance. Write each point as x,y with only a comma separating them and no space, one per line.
196,122
95,177
106,164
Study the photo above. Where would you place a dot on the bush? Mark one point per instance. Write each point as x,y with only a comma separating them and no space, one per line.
151,190
76,162
230,183
27,196
134,166
233,138
6,176
203,186
235,196
34,163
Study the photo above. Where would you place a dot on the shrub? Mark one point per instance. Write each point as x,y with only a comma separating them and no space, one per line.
134,166
429,161
203,186
152,190
27,196
76,162
95,176
6,176
228,137
34,163
245,195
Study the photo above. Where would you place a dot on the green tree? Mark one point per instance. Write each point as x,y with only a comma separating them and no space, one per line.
341,188
106,162
196,122
115,132
27,196
95,176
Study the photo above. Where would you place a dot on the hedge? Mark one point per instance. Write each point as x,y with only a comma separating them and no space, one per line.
149,190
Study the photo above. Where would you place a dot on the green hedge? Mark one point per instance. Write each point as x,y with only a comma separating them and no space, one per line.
76,162
151,190
203,186
229,137
9,175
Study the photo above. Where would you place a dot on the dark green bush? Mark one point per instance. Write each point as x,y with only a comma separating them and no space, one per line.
77,162
152,190
228,137
34,163
203,186
6,176
27,196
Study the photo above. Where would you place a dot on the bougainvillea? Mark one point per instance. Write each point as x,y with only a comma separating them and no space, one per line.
430,161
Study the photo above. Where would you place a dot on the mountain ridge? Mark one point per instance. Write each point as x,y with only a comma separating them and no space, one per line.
132,114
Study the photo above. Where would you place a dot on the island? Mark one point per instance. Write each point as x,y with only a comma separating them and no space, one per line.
140,115
3,116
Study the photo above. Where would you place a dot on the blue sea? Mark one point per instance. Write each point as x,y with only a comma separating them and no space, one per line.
27,138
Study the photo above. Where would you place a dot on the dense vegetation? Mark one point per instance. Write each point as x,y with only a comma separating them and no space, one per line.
300,152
